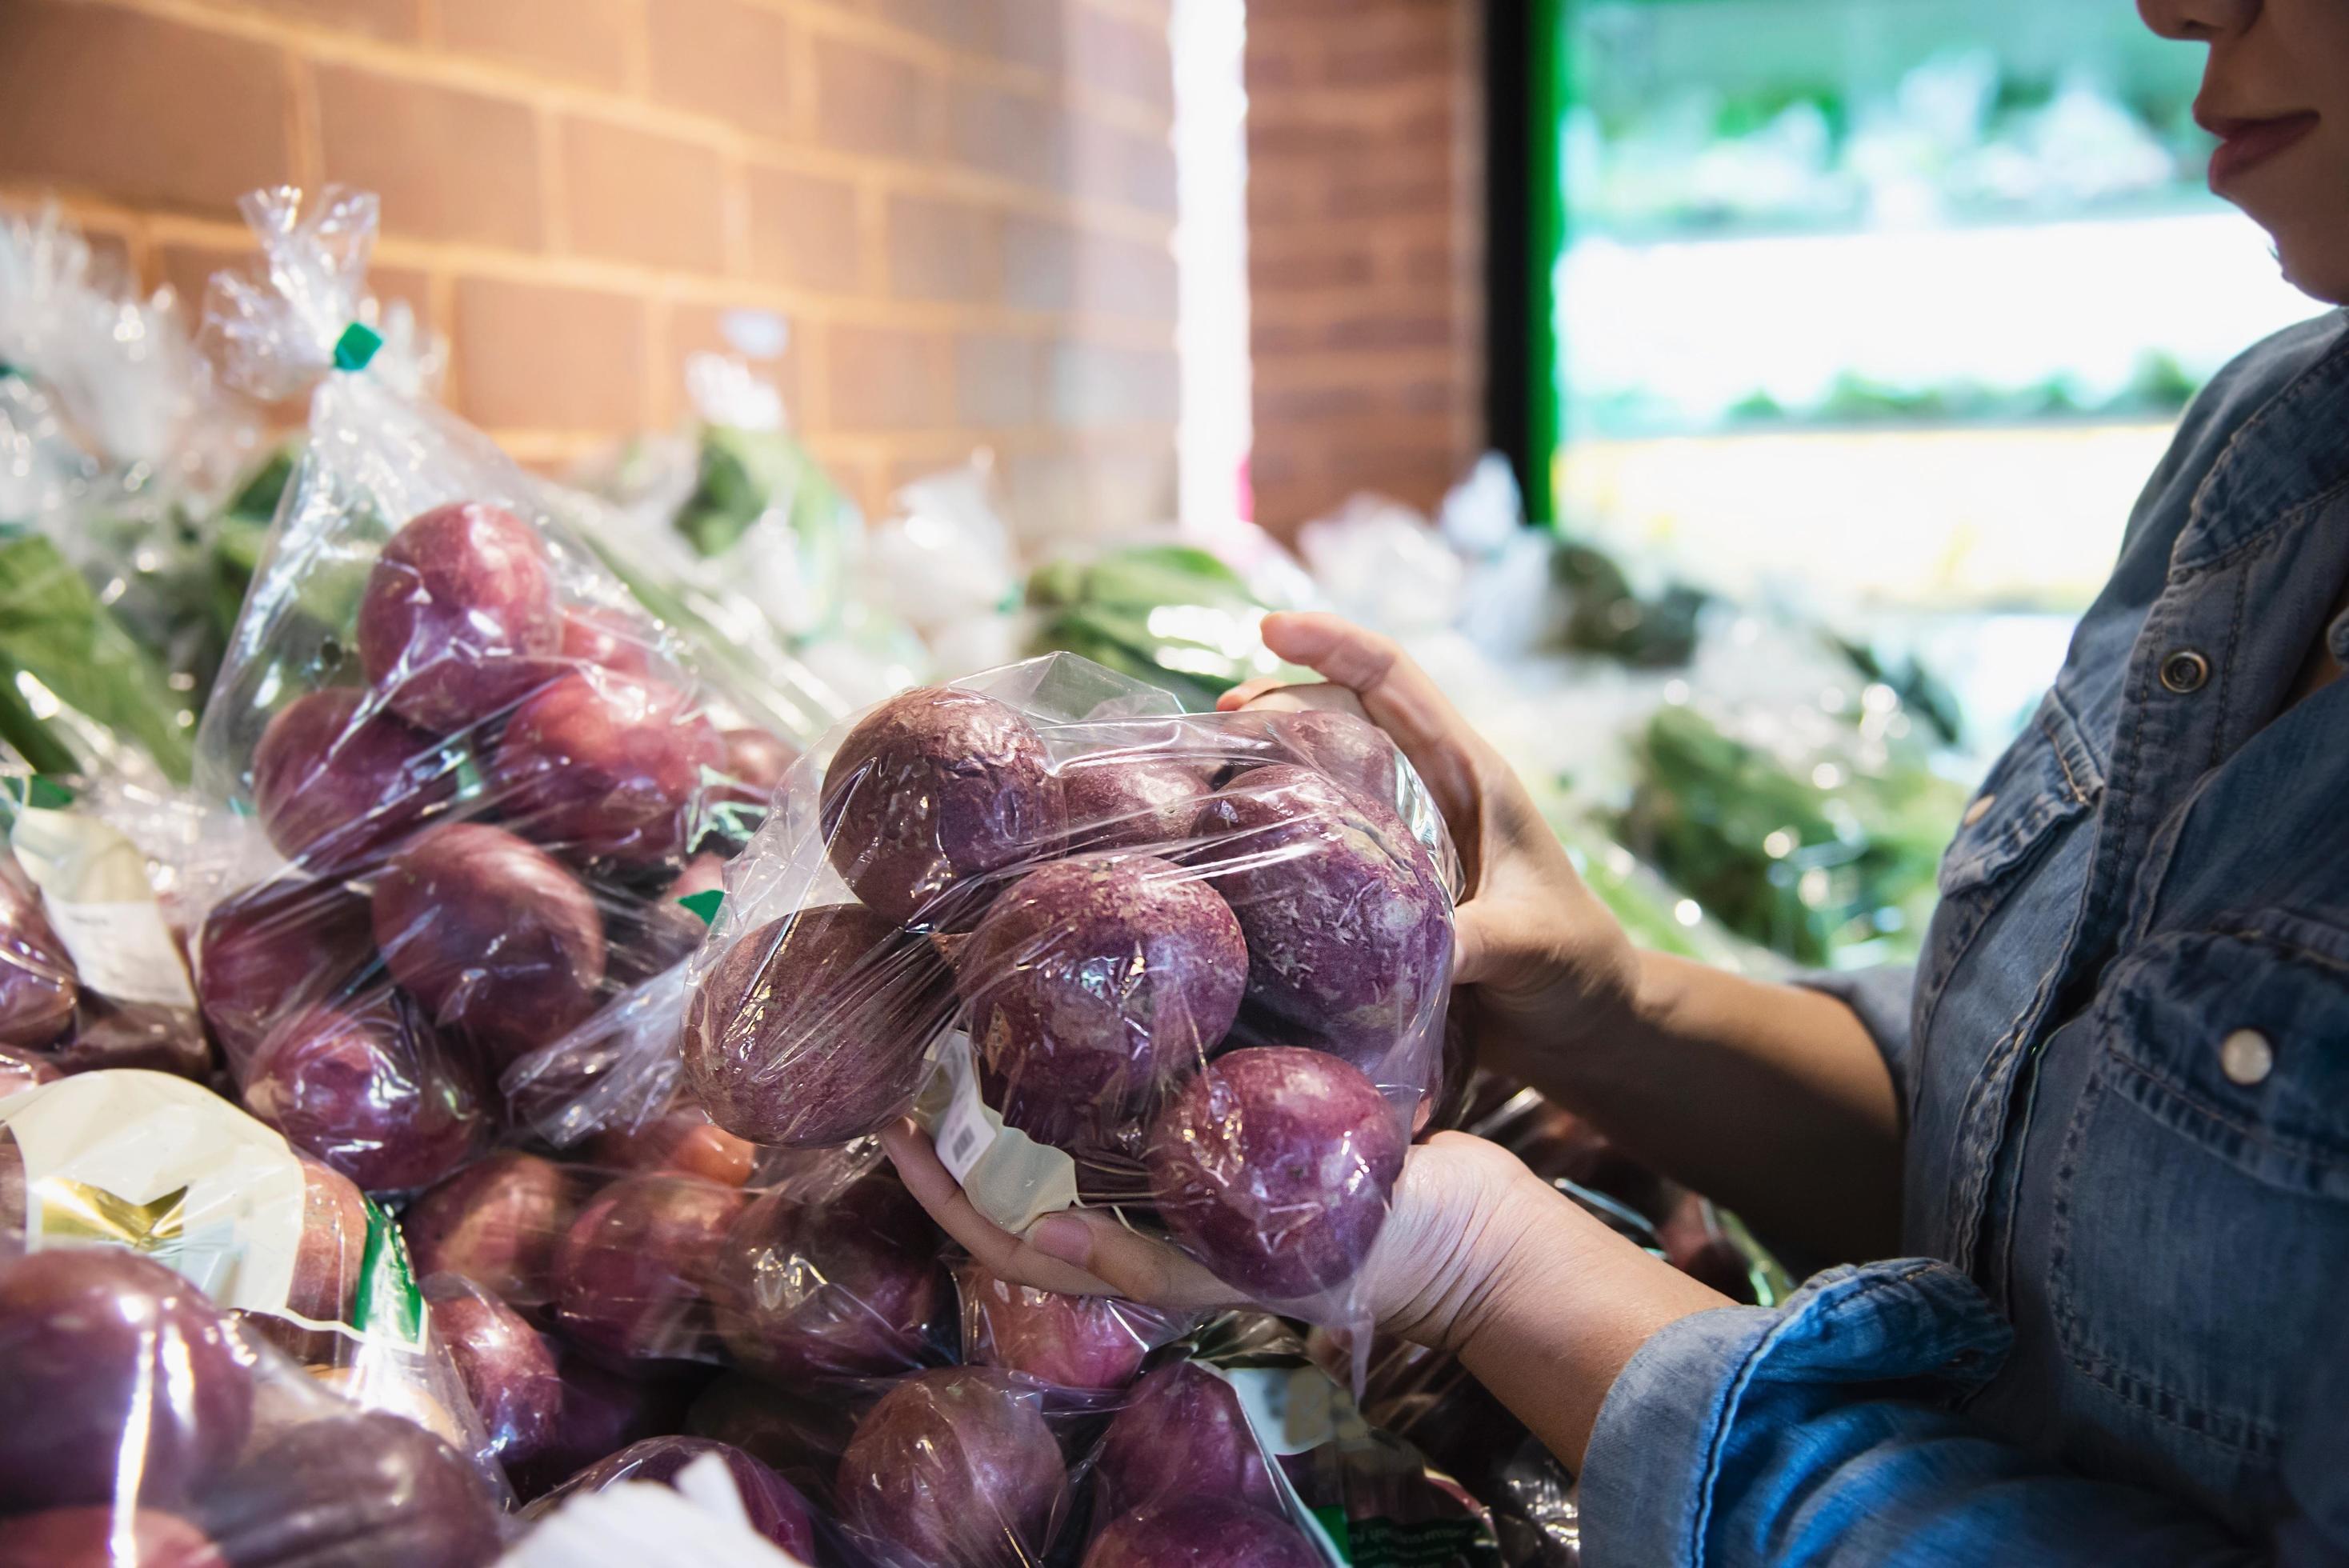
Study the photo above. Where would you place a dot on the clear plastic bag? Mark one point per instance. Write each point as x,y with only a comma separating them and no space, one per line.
130,1402
1199,962
1244,1448
94,885
771,1506
958,1464
149,1162
1084,1350
475,769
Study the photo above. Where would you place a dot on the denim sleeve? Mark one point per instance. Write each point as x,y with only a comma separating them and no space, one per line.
1882,998
1824,1432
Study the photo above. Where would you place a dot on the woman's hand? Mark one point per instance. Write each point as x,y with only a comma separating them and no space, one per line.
1549,962
1477,1256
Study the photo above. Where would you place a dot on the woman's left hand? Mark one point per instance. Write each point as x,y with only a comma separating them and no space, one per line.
1477,1256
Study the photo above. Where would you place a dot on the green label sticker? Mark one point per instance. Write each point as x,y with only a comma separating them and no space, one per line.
389,1301
1331,1517
356,347
705,903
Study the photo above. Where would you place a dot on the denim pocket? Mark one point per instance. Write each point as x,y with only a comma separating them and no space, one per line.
2047,779
2200,1231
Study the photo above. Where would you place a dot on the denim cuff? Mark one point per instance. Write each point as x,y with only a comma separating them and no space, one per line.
1693,1411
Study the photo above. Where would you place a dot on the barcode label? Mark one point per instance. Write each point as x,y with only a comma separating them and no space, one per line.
964,1128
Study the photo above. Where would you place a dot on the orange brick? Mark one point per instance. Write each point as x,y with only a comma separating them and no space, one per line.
1112,55
943,250
868,101
974,27
803,229
696,329
724,58
1112,165
997,383
1014,134
141,110
377,18
576,40
639,197
449,165
1033,32
530,357
883,378
1310,269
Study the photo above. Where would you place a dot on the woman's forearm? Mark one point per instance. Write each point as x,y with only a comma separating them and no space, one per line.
1770,1098
1560,1322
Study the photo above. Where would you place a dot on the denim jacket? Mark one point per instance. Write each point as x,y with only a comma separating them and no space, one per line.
2123,1063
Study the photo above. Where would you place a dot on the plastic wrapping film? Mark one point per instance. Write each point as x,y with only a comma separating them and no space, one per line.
1192,965
473,770
1239,1450
99,879
140,1421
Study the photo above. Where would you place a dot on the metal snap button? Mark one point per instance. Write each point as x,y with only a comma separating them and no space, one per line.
2246,1057
2185,671
1979,810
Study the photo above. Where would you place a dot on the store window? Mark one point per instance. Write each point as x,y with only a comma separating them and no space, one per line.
1886,305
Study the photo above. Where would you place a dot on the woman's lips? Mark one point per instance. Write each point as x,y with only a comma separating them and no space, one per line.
2246,142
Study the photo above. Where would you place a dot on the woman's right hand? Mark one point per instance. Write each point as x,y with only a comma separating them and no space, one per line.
1550,963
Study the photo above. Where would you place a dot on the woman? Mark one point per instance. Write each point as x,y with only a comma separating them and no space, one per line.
2102,1131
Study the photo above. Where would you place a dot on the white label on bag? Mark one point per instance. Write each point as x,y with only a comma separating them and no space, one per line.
964,1128
123,952
164,1167
1008,1177
94,888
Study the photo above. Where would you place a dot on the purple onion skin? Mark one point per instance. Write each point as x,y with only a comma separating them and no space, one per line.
1201,1533
458,620
1182,1436
601,766
368,1088
353,1491
845,1286
1093,984
274,947
38,986
498,940
507,1369
1349,928
1089,1344
498,1223
932,790
953,1466
117,1379
336,782
1135,800
1275,1165
774,1507
631,1272
810,1030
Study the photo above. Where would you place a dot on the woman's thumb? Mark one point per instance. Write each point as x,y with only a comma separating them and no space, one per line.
1475,945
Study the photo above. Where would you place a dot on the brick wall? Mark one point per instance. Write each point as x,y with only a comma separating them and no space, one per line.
1365,259
962,206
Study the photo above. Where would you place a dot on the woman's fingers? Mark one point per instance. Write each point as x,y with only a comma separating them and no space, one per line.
1075,1252
1133,1265
996,1249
